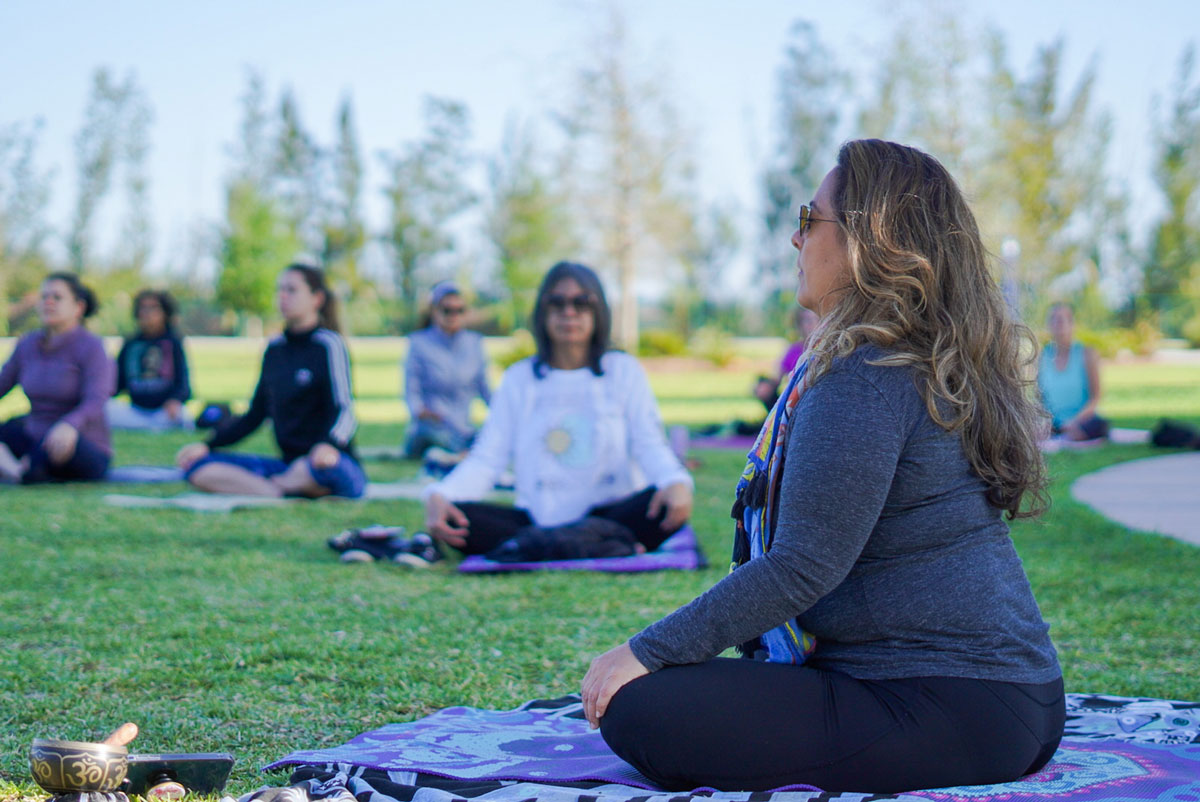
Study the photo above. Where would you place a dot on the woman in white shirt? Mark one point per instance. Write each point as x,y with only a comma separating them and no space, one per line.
580,428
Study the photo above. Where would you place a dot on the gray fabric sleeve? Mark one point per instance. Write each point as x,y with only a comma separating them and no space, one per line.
412,376
844,443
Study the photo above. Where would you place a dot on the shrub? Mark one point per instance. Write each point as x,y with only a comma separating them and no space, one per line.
714,345
1141,339
520,346
661,342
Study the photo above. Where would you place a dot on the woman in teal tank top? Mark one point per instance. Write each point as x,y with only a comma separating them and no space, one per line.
1069,380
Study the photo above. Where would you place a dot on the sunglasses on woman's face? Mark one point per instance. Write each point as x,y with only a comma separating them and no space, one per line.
451,311
806,220
559,303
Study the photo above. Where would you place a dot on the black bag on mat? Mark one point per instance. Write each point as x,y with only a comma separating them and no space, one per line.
590,537
1171,434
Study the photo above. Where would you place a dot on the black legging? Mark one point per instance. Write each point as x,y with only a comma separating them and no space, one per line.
742,725
489,525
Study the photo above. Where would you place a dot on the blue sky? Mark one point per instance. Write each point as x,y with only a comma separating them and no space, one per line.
504,59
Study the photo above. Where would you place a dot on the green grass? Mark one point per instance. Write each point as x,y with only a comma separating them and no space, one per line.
240,632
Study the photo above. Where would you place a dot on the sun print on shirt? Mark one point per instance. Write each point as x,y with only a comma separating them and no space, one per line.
571,440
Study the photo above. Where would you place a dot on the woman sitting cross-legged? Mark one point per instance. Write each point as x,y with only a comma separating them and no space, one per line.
65,372
871,523
1069,380
305,390
578,424
152,368
445,370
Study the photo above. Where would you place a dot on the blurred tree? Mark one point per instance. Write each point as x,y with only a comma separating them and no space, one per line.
137,238
114,129
256,244
695,299
811,89
426,191
24,195
296,179
252,151
1172,271
1045,184
343,229
257,239
628,160
527,220
927,88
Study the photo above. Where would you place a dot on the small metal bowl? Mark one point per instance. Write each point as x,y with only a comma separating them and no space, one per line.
65,767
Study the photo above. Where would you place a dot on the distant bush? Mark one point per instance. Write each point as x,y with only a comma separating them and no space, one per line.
661,342
714,345
1141,339
520,346
1191,331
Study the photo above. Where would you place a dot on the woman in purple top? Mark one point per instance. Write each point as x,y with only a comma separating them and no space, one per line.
67,377
767,389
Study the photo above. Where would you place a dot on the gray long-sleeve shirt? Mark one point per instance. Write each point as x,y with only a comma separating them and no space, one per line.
443,374
885,548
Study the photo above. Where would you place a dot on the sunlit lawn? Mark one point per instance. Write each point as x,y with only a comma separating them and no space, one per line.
241,632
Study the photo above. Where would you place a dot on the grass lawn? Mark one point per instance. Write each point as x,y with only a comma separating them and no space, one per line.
240,632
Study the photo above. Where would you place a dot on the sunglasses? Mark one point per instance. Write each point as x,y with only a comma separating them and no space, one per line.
451,311
559,303
806,220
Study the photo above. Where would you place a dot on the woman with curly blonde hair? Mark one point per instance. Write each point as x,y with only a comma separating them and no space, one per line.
894,641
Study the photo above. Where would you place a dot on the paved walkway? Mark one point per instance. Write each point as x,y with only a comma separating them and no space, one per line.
1158,494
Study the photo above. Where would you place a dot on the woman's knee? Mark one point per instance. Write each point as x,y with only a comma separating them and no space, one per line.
634,727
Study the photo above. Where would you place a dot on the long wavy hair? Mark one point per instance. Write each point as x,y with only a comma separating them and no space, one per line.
920,286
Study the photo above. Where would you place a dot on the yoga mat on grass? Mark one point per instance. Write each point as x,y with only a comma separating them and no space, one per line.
680,552
144,474
1116,749
1116,436
725,442
221,502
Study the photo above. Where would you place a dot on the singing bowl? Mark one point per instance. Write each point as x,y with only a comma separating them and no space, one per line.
64,767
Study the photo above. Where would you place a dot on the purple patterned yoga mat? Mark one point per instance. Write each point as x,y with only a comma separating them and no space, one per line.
1116,749
679,552
725,442
542,741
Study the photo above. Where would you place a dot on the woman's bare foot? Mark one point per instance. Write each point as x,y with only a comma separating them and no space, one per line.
11,468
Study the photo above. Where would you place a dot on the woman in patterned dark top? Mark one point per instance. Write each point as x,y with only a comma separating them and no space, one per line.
152,368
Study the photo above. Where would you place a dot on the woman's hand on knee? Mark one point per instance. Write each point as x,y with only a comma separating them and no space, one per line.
191,454
324,456
60,442
608,673
445,521
677,499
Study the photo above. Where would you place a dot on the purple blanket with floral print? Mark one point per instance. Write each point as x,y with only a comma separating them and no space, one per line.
1116,749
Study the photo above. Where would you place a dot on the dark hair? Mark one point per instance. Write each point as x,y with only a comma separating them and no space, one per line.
314,277
1067,305
160,297
435,298
78,290
586,278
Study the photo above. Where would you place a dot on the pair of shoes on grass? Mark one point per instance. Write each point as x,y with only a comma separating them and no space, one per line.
386,544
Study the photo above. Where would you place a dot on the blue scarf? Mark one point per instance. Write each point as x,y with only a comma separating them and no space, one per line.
755,510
